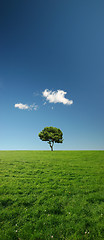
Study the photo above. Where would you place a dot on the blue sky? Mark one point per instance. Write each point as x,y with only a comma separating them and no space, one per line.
51,46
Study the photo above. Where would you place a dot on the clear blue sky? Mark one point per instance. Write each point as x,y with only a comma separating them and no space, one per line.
54,45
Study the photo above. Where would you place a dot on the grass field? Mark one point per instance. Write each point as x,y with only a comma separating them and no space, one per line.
51,195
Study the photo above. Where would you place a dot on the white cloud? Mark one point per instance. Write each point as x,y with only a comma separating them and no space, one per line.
56,97
21,106
25,106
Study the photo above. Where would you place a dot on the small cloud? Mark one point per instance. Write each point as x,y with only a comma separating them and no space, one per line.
26,107
44,103
36,94
34,107
21,106
56,97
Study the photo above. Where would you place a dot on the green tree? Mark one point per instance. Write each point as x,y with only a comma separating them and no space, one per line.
51,135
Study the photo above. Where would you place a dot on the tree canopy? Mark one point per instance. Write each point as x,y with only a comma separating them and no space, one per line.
51,135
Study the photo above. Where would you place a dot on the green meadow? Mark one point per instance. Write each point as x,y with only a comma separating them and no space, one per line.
48,195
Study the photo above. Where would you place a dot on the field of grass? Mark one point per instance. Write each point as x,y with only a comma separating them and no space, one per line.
51,195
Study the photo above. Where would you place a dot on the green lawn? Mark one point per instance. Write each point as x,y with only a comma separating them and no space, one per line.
51,195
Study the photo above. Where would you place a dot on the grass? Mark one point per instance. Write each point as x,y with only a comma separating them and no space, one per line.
52,195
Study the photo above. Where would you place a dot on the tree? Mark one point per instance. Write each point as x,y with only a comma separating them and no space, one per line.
51,135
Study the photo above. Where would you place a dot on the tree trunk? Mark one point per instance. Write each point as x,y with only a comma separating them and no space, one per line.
51,145
51,148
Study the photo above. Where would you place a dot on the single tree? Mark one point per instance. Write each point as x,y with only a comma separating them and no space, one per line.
51,135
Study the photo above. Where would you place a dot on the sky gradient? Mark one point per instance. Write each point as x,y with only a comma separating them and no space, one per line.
47,47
